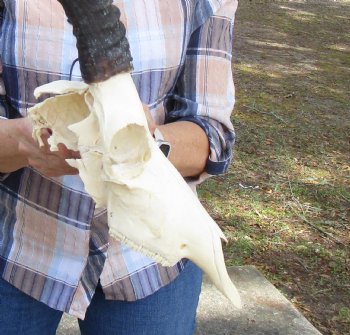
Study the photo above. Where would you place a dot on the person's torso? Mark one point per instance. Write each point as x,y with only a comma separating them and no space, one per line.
37,47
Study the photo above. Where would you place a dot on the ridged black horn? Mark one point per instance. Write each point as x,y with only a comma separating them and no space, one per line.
102,46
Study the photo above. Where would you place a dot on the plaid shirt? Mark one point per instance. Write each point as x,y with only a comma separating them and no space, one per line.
54,246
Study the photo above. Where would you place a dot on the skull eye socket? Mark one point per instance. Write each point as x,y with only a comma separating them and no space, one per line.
130,145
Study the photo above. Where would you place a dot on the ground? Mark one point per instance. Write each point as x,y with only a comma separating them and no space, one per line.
285,202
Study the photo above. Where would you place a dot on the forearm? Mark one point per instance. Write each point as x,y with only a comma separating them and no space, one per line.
190,146
10,157
204,92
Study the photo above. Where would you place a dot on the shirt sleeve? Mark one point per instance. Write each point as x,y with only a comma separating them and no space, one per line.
3,176
3,105
2,109
204,93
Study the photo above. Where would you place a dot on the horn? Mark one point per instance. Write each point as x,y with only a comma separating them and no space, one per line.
102,46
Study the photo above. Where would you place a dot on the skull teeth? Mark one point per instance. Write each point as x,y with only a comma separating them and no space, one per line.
140,248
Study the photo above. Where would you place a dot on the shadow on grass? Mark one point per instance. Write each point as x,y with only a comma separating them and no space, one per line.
285,203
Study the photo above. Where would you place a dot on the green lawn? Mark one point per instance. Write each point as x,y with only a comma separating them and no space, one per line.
285,203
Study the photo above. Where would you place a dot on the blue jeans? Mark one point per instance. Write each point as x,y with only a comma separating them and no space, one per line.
169,311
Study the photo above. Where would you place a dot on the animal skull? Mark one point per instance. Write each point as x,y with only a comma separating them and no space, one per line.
150,206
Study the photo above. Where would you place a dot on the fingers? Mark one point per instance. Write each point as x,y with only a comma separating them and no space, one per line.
58,165
52,163
66,153
47,162
62,152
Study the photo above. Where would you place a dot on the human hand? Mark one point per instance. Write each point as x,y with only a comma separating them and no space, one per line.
19,149
49,163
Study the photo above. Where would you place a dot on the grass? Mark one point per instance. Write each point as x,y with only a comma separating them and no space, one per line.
285,203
